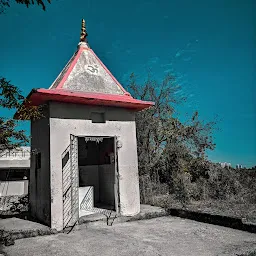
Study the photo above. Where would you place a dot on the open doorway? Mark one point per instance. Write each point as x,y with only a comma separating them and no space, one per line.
97,174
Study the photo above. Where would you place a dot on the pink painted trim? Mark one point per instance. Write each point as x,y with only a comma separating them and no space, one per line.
96,96
84,48
106,69
63,80
41,96
81,49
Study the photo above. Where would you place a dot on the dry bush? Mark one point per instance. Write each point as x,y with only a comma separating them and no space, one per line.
11,205
225,191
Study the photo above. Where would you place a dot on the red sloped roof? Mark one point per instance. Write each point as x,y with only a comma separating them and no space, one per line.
41,96
86,80
85,72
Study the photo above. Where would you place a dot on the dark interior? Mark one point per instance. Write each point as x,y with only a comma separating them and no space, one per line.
14,174
97,168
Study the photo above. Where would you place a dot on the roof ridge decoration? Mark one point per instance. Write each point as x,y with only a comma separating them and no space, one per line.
84,33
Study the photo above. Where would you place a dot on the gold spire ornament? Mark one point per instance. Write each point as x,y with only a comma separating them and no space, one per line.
83,32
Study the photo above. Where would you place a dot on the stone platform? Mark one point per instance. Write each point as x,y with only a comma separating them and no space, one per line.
146,212
20,228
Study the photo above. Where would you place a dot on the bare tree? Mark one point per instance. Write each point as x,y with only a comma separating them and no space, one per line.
161,137
6,4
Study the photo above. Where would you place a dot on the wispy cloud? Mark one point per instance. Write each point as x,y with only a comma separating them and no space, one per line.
187,59
182,52
178,92
166,65
153,60
169,70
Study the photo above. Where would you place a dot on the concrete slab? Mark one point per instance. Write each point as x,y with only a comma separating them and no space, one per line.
146,212
19,224
165,236
20,228
146,209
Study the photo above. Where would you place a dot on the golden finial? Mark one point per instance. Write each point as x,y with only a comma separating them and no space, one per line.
83,32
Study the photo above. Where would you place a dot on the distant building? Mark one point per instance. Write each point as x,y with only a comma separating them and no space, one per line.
225,164
14,171
239,166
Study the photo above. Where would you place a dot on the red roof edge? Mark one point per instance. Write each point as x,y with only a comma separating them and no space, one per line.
41,96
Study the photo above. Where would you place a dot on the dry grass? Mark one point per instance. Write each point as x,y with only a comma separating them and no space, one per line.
237,205
226,208
245,211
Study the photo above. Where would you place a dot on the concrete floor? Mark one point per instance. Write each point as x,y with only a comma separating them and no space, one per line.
159,236
21,228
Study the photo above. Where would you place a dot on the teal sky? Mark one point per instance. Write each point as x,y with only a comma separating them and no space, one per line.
210,45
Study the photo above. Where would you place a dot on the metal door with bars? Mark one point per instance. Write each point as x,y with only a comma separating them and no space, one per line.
70,183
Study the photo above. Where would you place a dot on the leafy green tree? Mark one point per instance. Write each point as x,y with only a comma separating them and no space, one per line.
12,98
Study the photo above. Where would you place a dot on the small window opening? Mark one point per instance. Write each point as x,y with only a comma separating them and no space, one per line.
98,117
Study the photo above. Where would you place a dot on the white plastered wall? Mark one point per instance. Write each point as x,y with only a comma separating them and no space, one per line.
66,119
39,189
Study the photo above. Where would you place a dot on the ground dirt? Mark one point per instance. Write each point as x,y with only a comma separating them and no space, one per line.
160,236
